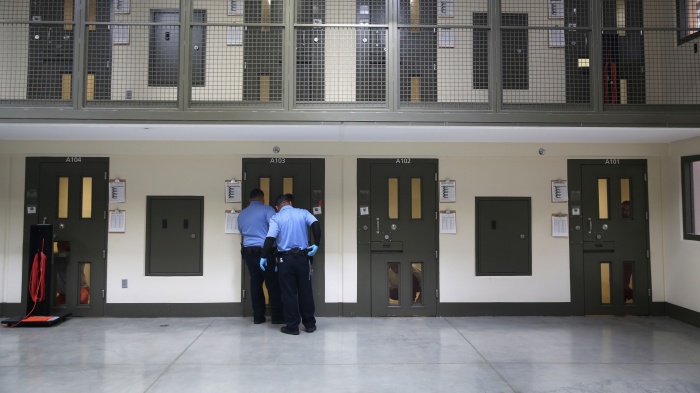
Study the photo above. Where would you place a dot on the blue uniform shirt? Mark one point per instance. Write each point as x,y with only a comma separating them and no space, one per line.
253,223
289,227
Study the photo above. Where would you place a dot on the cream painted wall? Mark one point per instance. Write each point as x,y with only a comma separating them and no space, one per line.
199,168
174,175
11,218
521,177
682,267
5,173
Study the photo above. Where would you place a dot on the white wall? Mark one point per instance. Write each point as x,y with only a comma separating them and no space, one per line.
200,168
5,173
682,267
11,224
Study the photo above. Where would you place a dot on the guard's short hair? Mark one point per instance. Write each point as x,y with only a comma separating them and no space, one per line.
281,199
257,194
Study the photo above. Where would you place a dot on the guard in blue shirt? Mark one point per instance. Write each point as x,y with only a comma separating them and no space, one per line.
289,227
253,223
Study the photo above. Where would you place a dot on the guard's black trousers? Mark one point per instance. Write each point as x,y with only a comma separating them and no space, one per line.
251,255
297,295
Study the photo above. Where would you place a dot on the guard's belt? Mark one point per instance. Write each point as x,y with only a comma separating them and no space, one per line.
296,251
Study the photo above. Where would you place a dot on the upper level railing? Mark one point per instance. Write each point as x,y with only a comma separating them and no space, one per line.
438,61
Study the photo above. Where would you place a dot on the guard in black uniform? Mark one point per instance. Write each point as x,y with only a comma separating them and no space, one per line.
289,228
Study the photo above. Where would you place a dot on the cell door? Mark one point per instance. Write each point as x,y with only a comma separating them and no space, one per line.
304,179
71,194
402,234
614,232
164,48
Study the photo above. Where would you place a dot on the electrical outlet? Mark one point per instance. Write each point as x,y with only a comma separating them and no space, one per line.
125,283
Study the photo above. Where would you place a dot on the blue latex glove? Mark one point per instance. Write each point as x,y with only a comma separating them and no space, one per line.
312,250
263,263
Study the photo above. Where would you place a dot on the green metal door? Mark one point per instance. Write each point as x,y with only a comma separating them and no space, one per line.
403,237
71,194
174,241
614,232
304,179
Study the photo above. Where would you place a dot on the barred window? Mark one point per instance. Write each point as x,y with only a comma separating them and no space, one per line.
690,177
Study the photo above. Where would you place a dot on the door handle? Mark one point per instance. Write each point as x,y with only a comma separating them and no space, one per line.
377,225
590,226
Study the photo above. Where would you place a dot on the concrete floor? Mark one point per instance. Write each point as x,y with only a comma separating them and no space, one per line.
480,354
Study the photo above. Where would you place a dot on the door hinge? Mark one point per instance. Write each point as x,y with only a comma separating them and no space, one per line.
245,175
103,294
105,175
243,294
437,294
104,254
436,176
649,292
645,177
436,254
436,215
104,215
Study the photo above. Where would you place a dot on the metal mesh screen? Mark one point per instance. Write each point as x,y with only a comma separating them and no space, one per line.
36,42
340,54
244,58
541,45
650,54
442,56
136,60
461,58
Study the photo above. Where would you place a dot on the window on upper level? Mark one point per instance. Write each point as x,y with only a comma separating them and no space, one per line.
688,20
690,183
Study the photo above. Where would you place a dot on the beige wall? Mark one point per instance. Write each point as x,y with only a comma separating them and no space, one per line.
200,168
5,173
682,267
11,222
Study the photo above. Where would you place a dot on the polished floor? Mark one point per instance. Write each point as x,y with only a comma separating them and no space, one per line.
479,354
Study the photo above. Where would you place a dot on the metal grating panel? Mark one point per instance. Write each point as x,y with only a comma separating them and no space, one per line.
340,54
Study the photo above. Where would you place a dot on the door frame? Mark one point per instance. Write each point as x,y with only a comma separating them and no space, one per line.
576,252
317,181
364,253
32,186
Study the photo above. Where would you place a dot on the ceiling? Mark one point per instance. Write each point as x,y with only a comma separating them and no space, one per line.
341,132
